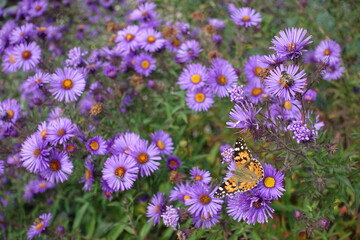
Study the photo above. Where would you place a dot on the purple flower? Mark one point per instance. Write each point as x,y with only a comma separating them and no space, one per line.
255,91
330,49
301,132
171,217
246,17
173,162
120,172
155,208
273,59
200,175
147,157
106,190
205,221
309,57
310,95
285,81
163,142
58,168
110,71
200,99
2,167
27,56
9,63
227,155
75,57
291,109
271,186
33,153
144,64
253,68
243,116
145,14
151,40
128,38
60,130
12,111
124,142
67,84
40,225
218,24
22,34
251,208
37,8
202,201
193,76
97,145
291,42
180,192
237,94
222,77
35,82
333,71
188,51
88,178
55,113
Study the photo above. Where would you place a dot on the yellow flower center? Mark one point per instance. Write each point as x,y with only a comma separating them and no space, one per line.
269,182
327,52
70,148
26,55
120,171
10,113
287,105
67,84
39,226
94,145
88,174
187,197
160,144
42,29
245,19
43,134
12,59
256,91
195,78
36,152
43,185
145,64
129,37
55,165
173,163
291,47
198,177
221,80
142,158
258,70
204,199
151,39
200,97
176,43
61,132
38,8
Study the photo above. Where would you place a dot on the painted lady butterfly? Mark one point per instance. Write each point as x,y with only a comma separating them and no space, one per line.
247,175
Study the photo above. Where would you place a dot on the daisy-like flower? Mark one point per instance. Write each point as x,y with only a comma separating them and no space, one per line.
222,77
200,175
180,192
88,177
291,42
188,51
285,81
12,110
227,155
58,168
255,91
37,8
200,99
97,145
173,162
107,191
39,226
9,61
246,17
67,84
163,142
156,208
76,57
310,95
144,64
333,71
27,56
202,201
218,24
272,184
251,208
309,57
120,172
237,94
110,71
253,69
272,60
124,143
36,81
145,14
171,217
128,38
291,109
34,155
330,49
193,76
146,156
151,40
206,220
60,130
243,116
22,34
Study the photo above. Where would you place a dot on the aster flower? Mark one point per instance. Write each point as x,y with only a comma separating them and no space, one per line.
291,42
193,76
107,191
128,38
273,60
205,221
58,168
34,153
35,82
330,49
253,68
60,130
11,109
200,175
27,56
173,163
39,226
251,208
155,208
88,178
271,186
146,156
188,51
120,172
291,109
222,77
200,99
145,14
8,61
163,142
333,71
202,201
22,34
110,71
76,57
285,81
150,40
171,217
97,145
217,23
301,132
124,143
255,90
180,192
310,95
144,64
309,57
67,84
246,17
237,94
37,8
227,155
55,113
243,116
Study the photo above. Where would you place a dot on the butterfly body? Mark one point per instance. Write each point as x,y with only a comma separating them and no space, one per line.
247,175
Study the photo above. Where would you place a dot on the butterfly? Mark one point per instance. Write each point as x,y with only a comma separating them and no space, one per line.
247,175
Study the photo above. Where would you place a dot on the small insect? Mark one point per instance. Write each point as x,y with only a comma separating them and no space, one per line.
247,175
286,80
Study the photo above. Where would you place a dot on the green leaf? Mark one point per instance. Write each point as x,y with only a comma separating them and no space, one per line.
325,20
79,216
145,230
